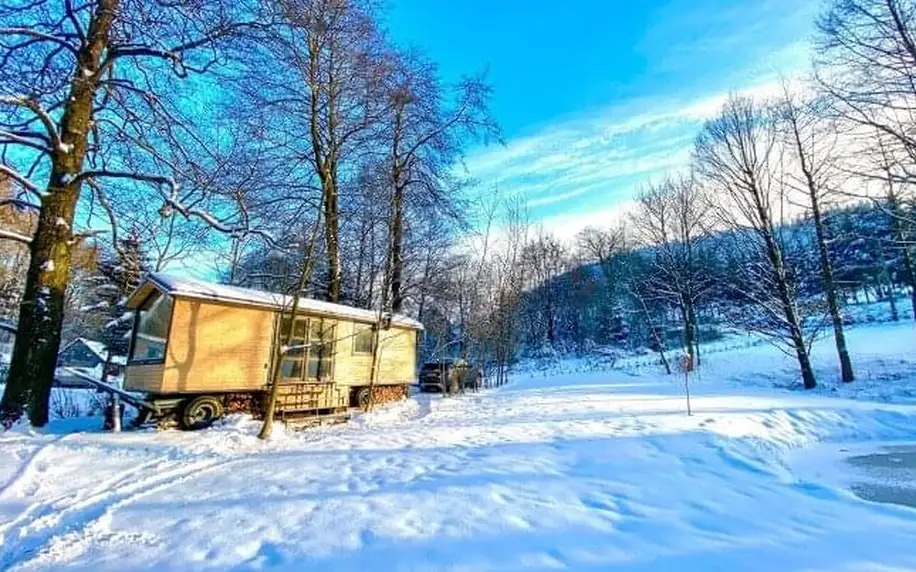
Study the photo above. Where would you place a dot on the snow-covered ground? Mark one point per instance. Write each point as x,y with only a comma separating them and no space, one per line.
584,471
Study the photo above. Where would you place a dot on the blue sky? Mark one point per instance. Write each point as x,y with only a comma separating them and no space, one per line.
596,97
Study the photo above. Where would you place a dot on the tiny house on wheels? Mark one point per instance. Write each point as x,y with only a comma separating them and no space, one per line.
199,349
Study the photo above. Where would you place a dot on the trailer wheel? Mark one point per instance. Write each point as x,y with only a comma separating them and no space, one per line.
201,412
362,398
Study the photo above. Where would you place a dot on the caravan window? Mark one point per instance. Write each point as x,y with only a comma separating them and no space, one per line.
363,340
311,352
152,329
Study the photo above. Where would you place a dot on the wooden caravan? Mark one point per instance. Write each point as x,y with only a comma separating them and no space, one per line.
201,347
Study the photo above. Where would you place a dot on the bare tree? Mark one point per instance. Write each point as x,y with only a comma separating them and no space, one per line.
85,98
18,218
811,143
900,221
736,155
298,289
545,259
427,124
866,63
319,82
670,221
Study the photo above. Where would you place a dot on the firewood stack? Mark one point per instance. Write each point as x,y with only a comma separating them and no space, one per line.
388,393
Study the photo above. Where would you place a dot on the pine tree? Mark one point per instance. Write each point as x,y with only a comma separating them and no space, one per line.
119,274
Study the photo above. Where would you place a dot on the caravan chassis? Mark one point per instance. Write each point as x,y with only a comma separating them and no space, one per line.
192,411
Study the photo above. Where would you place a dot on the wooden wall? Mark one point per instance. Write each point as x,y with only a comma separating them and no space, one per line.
217,347
397,361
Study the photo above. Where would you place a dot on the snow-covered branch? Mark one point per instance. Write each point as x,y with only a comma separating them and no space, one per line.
26,140
24,182
15,236
35,107
173,201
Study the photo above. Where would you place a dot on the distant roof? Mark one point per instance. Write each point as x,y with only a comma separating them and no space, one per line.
202,290
99,349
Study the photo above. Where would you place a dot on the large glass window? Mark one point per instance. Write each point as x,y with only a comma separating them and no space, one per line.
152,328
310,355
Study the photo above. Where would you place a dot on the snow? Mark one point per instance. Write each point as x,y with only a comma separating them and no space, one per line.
199,289
585,470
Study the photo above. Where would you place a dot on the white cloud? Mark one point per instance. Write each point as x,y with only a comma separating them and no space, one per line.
567,225
584,169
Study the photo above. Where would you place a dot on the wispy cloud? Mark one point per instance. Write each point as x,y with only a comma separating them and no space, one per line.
582,171
586,169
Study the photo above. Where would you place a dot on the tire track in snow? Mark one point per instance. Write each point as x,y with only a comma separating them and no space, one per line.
28,467
33,535
58,503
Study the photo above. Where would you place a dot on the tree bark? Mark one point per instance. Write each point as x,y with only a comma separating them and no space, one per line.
820,231
41,312
395,253
691,341
785,299
911,276
830,289
332,244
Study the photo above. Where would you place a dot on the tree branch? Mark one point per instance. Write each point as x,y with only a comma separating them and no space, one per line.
33,33
35,107
15,236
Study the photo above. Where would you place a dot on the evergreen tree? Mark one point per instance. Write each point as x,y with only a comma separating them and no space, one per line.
119,275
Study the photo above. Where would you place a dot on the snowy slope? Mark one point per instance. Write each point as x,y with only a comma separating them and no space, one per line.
585,471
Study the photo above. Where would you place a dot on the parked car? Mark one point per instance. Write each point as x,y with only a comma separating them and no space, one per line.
449,376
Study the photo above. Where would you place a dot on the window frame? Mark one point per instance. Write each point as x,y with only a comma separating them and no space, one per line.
136,330
363,328
307,353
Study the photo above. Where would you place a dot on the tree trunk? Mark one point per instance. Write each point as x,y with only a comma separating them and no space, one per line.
827,275
789,310
398,188
332,244
304,277
804,361
911,276
396,254
691,334
360,262
41,311
659,341
830,289
888,281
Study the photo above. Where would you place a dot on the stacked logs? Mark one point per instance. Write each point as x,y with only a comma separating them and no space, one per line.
388,393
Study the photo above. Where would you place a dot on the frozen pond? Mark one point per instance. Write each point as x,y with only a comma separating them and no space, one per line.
884,473
888,475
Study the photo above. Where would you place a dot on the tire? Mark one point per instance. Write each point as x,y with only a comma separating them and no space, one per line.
362,398
200,412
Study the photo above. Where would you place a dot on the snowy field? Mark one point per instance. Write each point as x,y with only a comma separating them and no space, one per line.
582,471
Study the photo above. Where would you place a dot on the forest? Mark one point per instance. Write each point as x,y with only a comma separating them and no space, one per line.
292,146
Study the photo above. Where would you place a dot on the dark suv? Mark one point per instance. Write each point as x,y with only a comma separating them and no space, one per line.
449,376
